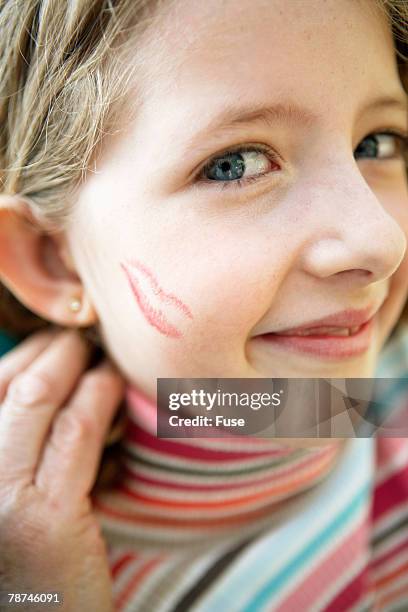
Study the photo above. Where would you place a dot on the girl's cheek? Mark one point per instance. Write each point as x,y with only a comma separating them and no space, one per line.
214,306
162,310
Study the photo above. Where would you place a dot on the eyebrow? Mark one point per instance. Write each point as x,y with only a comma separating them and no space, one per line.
289,113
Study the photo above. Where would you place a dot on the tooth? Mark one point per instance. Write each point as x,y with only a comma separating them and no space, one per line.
320,331
341,332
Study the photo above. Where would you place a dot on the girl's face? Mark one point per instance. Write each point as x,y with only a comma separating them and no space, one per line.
257,190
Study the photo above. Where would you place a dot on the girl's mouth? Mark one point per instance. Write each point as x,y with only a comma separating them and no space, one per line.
326,341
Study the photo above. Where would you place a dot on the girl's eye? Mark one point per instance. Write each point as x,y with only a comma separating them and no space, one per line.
385,145
248,164
241,165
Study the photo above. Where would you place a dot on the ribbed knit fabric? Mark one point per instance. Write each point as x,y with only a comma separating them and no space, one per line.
246,524
213,527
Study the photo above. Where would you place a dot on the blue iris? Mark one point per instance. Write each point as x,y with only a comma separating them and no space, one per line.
367,147
228,167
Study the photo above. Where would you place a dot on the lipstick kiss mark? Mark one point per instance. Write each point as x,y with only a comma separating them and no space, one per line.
151,299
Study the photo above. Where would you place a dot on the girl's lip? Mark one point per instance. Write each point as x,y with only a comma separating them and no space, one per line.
328,347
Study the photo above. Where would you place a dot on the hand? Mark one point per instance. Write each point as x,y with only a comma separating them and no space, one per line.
54,418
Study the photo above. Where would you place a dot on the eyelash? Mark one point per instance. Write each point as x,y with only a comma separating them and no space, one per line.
274,158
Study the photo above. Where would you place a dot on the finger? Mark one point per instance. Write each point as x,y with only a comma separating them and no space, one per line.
20,357
71,457
33,398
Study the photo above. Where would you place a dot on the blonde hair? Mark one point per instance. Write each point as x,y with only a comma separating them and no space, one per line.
65,70
64,74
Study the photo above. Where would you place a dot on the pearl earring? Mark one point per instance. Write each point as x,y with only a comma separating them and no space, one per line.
75,304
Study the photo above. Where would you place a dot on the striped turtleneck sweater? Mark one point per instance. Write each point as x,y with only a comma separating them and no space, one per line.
248,524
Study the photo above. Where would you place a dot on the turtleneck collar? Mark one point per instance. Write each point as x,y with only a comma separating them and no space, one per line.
190,489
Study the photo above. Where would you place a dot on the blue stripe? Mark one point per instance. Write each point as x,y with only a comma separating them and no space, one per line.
307,517
294,566
390,395
393,359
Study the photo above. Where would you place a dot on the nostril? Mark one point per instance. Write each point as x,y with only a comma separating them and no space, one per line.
356,271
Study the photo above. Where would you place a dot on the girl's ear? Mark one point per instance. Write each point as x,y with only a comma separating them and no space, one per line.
35,265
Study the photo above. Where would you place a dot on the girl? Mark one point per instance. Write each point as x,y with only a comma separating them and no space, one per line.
191,181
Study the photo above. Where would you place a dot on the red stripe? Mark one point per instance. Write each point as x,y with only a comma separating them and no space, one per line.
129,589
387,449
390,494
399,546
251,482
329,569
288,485
121,563
351,594
142,438
394,596
133,518
392,575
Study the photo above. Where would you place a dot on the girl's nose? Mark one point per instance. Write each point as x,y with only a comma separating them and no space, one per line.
352,235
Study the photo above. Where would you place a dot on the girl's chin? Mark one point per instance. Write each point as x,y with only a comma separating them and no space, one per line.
293,366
